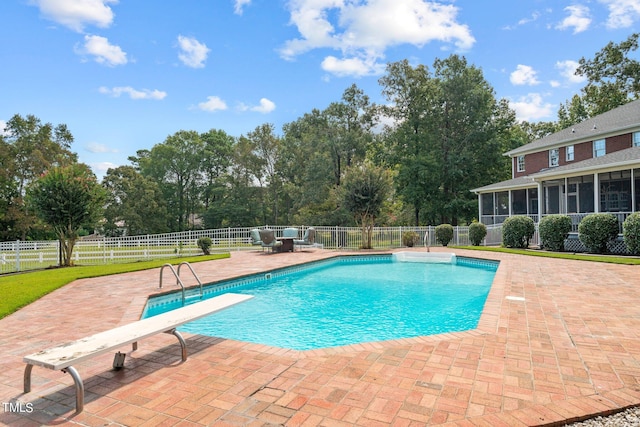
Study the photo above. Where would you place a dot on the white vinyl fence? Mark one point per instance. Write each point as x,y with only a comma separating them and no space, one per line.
29,255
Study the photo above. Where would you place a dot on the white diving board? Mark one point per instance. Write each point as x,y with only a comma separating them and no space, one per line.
62,357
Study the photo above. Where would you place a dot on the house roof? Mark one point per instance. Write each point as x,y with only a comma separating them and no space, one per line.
623,159
624,118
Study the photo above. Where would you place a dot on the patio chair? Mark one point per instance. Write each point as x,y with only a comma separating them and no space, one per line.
309,238
269,240
255,237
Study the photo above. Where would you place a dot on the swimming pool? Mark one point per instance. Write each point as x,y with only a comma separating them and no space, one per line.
346,300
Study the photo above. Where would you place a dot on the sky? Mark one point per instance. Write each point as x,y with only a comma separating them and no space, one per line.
123,75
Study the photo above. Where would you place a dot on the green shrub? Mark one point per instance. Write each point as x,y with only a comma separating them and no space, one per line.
631,233
205,243
596,230
477,232
444,234
554,229
410,239
517,231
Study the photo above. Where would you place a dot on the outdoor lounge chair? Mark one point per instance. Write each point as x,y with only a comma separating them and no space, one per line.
269,240
309,238
255,237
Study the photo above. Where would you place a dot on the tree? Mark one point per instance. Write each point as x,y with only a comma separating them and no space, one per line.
216,161
134,204
410,91
176,166
613,77
365,189
67,198
448,137
27,149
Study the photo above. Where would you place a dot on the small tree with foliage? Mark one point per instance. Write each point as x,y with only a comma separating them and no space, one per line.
205,243
410,238
67,198
517,231
554,229
631,233
477,233
444,234
596,230
365,189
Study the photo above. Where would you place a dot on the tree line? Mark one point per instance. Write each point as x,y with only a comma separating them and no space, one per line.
413,160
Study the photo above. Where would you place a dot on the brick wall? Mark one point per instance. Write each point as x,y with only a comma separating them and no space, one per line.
535,162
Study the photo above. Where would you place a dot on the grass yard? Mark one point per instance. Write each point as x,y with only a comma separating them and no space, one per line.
18,290
627,260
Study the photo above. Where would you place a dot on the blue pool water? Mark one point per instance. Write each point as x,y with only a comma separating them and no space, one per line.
345,301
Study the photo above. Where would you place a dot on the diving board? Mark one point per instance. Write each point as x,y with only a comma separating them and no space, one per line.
64,356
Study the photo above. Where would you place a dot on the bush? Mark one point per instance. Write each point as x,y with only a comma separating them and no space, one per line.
631,233
517,231
205,243
554,229
410,239
596,230
444,234
477,232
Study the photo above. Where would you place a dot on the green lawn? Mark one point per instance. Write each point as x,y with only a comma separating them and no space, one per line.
18,290
628,260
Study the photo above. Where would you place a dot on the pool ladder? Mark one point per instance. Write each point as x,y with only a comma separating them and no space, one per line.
178,280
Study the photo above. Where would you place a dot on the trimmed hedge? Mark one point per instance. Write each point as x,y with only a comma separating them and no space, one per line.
517,231
631,233
444,234
410,238
596,230
554,229
205,243
477,232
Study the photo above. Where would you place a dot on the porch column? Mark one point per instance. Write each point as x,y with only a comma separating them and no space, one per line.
510,210
633,190
541,197
596,193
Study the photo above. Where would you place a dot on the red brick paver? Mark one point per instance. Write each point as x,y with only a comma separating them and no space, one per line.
569,350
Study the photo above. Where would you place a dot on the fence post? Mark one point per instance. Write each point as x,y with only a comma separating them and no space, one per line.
17,255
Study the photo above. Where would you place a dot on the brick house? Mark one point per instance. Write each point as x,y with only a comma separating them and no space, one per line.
593,166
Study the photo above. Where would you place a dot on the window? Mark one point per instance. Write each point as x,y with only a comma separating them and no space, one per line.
599,148
554,157
569,150
636,139
520,163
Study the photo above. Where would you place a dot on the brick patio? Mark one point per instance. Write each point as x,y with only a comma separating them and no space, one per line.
569,350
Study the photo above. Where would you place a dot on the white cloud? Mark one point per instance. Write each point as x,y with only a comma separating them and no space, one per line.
266,106
212,104
133,93
622,13
524,75
356,67
193,53
568,71
102,51
3,125
578,19
95,147
362,31
101,168
239,6
531,107
76,14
